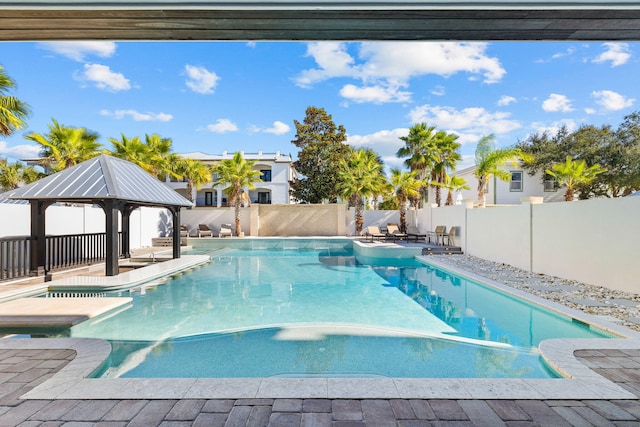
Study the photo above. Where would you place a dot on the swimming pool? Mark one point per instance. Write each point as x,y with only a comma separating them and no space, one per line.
306,312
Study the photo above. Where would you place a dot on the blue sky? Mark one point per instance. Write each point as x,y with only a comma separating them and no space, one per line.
215,96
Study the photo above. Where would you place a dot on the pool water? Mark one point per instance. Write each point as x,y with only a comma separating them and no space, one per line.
305,313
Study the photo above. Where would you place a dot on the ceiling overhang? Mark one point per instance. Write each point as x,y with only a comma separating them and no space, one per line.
32,20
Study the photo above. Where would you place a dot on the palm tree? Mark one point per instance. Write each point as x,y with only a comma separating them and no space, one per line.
488,162
11,175
573,173
65,146
446,156
159,156
195,173
360,176
13,112
130,149
420,148
405,186
454,184
237,173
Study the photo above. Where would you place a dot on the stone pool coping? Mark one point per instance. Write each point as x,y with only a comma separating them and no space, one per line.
580,381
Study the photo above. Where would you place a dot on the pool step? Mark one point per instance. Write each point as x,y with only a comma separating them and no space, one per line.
442,250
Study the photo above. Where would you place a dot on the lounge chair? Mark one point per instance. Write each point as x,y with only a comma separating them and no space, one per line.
437,235
394,233
449,237
225,230
373,232
414,233
184,231
204,230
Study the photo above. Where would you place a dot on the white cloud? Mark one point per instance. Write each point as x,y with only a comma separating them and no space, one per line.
557,102
506,100
78,50
612,101
222,126
278,128
384,67
103,78
616,53
554,127
475,120
438,91
590,110
570,51
374,94
385,142
23,151
201,80
138,117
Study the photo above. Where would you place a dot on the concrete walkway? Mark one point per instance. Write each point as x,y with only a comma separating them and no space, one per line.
22,370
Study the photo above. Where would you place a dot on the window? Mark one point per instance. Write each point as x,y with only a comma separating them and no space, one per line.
264,198
208,198
550,183
266,175
516,181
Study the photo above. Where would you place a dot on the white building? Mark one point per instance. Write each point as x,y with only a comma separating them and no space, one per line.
276,172
510,192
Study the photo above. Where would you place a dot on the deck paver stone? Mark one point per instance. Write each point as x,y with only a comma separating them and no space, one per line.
448,410
185,410
284,419
413,423
238,416
89,410
480,413
218,405
259,416
22,412
422,409
377,412
54,410
287,405
32,375
402,409
253,402
508,410
173,423
610,411
316,419
542,414
210,419
593,417
572,417
152,413
349,424
51,424
346,410
125,410
631,406
316,405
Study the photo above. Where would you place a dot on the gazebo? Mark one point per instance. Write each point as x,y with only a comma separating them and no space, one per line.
116,185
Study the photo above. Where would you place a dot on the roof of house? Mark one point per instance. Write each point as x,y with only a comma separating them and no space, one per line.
101,178
259,156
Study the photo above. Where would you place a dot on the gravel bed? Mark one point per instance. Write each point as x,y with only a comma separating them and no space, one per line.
623,306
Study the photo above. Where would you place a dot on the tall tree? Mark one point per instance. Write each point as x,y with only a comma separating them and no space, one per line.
65,146
360,176
453,184
446,157
161,159
322,147
13,174
236,174
13,112
420,152
406,186
489,161
130,149
573,173
195,173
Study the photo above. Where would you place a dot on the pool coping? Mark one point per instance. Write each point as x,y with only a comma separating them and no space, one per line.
580,381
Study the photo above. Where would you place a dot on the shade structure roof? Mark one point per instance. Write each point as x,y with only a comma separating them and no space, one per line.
101,178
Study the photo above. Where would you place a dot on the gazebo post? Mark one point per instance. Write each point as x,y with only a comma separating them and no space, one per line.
175,210
126,229
38,255
111,209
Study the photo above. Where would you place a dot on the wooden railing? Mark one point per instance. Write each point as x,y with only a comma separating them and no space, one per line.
66,251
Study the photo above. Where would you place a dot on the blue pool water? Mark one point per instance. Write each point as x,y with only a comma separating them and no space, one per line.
262,313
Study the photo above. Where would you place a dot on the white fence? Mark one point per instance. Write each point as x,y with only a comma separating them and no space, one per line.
592,241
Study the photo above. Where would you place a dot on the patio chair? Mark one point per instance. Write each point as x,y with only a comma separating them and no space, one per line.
414,233
394,233
373,232
437,235
225,230
184,231
204,230
449,237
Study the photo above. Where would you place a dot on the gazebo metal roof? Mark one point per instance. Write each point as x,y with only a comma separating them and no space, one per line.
101,178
